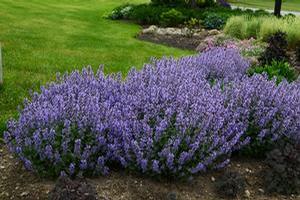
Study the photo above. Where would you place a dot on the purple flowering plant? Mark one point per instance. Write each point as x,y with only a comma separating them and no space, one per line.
167,119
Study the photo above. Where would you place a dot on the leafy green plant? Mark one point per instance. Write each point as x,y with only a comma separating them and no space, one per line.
280,70
147,14
188,3
150,14
283,172
215,21
168,2
121,12
191,25
172,17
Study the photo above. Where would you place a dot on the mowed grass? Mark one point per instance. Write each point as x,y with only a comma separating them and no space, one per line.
290,5
41,38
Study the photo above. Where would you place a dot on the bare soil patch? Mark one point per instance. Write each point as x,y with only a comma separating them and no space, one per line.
17,183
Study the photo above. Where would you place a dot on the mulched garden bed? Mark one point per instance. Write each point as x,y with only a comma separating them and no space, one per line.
191,43
17,183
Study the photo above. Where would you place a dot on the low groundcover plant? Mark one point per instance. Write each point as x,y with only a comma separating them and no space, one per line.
172,118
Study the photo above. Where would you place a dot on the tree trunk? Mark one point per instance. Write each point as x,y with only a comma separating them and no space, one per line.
277,8
223,3
193,3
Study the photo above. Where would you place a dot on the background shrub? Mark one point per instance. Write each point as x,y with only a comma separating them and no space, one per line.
121,12
280,70
190,3
172,17
214,21
145,14
276,49
168,2
150,14
283,172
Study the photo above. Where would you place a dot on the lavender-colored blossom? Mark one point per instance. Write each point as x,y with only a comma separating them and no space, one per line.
71,168
83,165
173,117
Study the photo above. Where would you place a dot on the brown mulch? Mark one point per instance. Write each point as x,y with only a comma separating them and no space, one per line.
17,183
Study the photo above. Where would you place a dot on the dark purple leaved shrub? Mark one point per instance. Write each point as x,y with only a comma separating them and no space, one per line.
173,117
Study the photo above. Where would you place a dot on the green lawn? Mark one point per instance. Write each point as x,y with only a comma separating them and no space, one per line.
291,5
41,38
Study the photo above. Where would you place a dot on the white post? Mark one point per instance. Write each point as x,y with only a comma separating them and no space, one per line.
1,70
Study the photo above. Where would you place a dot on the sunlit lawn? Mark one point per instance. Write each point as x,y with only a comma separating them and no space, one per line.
41,38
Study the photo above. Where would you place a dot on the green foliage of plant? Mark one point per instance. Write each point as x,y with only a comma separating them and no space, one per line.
263,27
168,2
172,17
251,28
146,14
280,70
189,3
121,12
163,14
215,21
234,27
257,147
191,25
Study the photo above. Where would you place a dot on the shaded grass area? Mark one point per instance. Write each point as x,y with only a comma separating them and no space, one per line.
41,38
290,5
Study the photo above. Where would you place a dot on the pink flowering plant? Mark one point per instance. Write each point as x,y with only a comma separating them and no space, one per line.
172,118
248,47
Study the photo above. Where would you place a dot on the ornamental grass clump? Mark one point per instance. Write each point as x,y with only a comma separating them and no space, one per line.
167,119
262,27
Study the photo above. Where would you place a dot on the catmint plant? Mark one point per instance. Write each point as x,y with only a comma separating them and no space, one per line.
174,117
